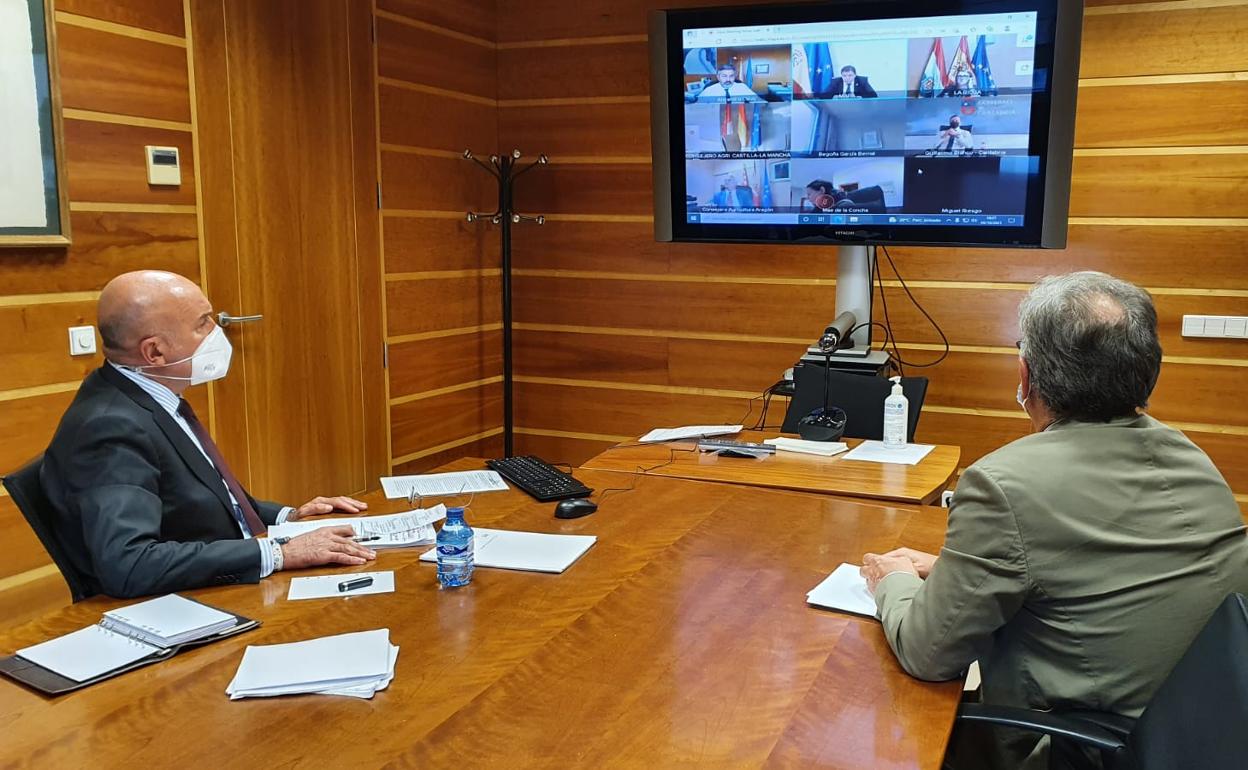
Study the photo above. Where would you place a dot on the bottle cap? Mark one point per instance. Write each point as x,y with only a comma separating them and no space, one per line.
896,385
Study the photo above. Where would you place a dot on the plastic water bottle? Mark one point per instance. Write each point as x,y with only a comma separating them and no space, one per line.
454,545
896,416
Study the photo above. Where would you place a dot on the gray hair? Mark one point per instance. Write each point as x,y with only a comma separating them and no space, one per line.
1091,347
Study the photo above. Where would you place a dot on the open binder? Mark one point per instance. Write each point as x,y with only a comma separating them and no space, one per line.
127,647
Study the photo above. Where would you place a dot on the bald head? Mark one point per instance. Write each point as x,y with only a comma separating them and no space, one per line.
151,317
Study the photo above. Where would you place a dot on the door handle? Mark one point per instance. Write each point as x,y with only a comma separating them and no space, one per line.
225,319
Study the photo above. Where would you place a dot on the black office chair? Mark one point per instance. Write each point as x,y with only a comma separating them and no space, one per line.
27,493
861,396
1198,718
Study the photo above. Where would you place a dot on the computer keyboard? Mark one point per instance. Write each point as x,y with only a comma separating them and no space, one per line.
539,478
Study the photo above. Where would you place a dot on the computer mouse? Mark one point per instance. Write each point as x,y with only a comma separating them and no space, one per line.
574,508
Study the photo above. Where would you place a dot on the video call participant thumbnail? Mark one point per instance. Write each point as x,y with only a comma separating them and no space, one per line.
963,85
852,85
728,89
953,137
823,195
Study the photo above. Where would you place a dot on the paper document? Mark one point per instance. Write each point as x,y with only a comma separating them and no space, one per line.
168,620
396,530
357,664
429,484
845,590
530,551
876,452
326,586
821,448
689,431
86,653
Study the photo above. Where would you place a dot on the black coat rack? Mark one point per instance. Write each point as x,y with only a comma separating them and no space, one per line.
505,170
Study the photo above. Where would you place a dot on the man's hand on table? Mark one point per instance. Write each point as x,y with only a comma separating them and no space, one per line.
327,545
321,505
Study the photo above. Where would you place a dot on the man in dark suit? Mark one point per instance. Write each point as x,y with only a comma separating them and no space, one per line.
141,496
852,84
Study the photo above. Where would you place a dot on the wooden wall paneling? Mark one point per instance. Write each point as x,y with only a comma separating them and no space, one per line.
23,551
410,181
35,348
415,307
490,446
471,17
629,247
585,409
1182,40
28,427
104,72
579,130
105,163
419,119
415,244
1227,452
163,16
105,244
429,422
617,188
420,56
1179,185
559,449
1147,254
369,258
977,435
441,362
520,20
27,600
576,71
1144,115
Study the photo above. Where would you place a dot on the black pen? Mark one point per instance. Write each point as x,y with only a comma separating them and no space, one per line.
351,585
366,538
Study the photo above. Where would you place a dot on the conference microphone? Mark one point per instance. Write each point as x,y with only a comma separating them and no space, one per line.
836,332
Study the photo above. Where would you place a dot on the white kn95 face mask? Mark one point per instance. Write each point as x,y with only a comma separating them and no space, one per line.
210,361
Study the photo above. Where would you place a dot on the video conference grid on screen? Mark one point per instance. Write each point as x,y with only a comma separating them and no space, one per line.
919,121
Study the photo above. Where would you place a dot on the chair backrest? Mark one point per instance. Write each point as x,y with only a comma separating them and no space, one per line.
860,395
27,492
1199,715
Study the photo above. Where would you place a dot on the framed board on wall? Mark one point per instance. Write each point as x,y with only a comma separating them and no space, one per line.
34,201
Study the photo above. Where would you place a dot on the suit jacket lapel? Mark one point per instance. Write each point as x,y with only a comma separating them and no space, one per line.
189,453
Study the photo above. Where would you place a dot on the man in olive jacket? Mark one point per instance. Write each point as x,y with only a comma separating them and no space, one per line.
1082,560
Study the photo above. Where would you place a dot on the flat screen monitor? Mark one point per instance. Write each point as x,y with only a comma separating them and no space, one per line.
940,122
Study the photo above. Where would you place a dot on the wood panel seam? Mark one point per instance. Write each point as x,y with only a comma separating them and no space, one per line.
436,91
133,208
572,434
1166,5
56,298
427,394
399,339
29,576
407,458
424,214
434,28
70,113
437,275
124,30
17,394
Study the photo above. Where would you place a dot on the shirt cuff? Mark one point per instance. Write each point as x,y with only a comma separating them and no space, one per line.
270,556
284,514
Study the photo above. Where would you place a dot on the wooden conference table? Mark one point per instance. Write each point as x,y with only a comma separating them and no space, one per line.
681,638
921,483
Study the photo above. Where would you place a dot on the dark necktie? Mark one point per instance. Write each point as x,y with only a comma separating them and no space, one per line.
949,147
231,481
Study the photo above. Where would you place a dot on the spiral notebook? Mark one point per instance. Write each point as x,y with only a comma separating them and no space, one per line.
125,639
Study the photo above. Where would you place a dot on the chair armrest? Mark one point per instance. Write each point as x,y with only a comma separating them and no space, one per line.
1083,730
1115,723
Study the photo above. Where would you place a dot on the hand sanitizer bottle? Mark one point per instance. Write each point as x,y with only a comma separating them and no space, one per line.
896,416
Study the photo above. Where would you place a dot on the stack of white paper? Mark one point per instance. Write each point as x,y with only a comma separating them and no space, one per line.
529,551
821,448
395,530
877,452
845,590
357,665
689,431
456,483
168,620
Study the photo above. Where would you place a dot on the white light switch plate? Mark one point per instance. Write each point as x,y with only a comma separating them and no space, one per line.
82,340
1233,327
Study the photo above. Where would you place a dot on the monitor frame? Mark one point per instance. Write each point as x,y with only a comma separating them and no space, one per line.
1059,28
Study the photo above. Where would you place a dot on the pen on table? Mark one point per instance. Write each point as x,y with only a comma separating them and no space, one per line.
351,585
366,538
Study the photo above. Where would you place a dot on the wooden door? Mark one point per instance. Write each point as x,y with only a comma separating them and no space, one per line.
288,161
